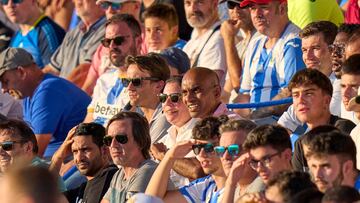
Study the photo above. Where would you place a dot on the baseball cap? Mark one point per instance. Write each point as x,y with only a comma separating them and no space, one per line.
117,1
176,58
246,3
11,58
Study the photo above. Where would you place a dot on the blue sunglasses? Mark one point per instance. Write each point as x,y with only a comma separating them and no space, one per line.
233,150
5,2
114,6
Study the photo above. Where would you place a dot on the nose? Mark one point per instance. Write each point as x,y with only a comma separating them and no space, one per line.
203,153
114,143
227,156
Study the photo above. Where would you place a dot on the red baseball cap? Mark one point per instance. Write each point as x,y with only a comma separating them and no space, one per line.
246,3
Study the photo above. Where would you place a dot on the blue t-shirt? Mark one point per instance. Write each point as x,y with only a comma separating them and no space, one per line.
41,41
56,106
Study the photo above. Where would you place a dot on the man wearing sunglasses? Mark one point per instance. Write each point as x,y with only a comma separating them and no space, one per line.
129,141
269,150
38,34
146,76
207,189
122,38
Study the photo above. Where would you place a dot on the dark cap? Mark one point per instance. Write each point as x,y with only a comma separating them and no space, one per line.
11,58
176,58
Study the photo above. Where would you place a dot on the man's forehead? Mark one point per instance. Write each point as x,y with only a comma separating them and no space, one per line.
302,88
233,137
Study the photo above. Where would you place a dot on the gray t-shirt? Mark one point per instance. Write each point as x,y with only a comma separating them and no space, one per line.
158,125
121,190
78,47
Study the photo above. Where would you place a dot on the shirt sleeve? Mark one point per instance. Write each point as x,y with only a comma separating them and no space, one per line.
289,120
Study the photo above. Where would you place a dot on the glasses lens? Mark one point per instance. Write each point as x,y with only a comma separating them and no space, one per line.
136,82
106,42
219,150
162,98
122,139
232,5
196,149
208,148
7,146
174,97
107,140
233,150
119,40
253,164
104,5
125,82
115,6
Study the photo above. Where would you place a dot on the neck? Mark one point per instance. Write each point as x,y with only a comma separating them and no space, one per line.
148,3
181,123
350,179
275,34
90,20
357,115
130,169
326,70
97,173
323,120
36,76
149,111
248,30
219,180
26,27
205,28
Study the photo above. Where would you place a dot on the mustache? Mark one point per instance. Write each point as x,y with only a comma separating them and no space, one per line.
115,50
196,14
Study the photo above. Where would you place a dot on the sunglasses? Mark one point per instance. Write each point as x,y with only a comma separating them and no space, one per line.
119,40
337,49
174,97
136,82
122,139
232,5
233,150
208,148
5,2
114,6
9,145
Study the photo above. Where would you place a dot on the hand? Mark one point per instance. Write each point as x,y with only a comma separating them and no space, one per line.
237,169
158,150
181,149
253,198
229,29
65,148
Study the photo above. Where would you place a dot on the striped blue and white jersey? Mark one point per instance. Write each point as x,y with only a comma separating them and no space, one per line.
202,190
267,71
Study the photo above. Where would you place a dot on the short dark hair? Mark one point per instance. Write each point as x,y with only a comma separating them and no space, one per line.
326,28
21,129
237,125
140,130
355,36
174,79
129,20
310,195
289,183
348,28
152,63
274,136
208,128
333,143
310,76
163,11
95,130
352,65
341,194
310,135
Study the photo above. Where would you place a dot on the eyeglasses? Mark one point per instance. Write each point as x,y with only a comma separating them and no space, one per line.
232,5
122,139
174,97
5,2
136,81
208,148
264,162
233,150
337,49
114,6
9,145
106,42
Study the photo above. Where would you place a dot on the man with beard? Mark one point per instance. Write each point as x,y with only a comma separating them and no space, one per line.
271,59
91,158
122,37
332,161
206,47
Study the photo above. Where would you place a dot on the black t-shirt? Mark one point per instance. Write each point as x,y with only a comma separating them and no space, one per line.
298,160
93,190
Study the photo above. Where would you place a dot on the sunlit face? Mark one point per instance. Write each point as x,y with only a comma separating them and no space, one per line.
199,95
176,113
338,54
129,7
158,34
87,155
265,16
242,15
123,154
199,13
316,53
19,13
209,162
349,89
270,161
118,53
326,171
11,82
352,48
84,8
310,103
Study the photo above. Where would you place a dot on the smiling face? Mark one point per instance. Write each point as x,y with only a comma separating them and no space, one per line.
176,113
12,83
310,103
87,155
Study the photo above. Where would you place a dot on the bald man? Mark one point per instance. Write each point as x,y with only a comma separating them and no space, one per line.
201,94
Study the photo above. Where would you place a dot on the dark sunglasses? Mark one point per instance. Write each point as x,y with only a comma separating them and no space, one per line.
114,6
5,2
9,145
208,148
233,150
338,49
174,97
136,81
106,42
232,5
122,139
